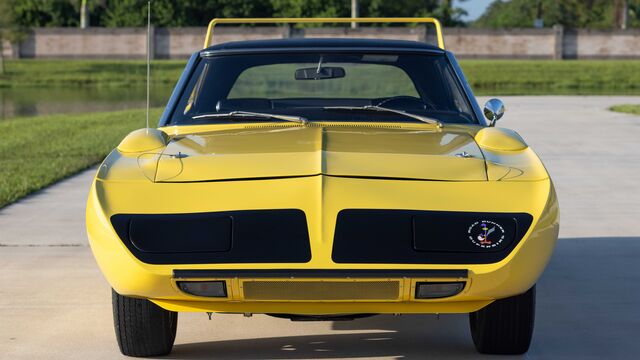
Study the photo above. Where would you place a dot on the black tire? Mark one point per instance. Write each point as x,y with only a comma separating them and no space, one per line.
142,327
505,326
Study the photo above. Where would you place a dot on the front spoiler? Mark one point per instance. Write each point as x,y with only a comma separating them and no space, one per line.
326,308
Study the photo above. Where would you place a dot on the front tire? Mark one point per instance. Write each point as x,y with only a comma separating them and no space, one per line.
142,327
505,326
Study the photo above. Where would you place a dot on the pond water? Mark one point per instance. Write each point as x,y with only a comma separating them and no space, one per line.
18,102
24,101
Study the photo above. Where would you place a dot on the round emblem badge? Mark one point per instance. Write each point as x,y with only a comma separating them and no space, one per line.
486,234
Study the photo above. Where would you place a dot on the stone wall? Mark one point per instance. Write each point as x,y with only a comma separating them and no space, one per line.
182,42
179,43
594,44
120,43
510,44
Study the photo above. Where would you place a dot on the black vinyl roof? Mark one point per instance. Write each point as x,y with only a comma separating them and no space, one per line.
311,43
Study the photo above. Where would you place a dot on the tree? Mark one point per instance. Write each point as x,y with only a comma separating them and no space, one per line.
634,14
121,13
8,29
443,9
449,15
45,13
311,8
134,13
598,14
3,25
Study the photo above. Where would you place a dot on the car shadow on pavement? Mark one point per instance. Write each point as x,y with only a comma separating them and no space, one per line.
588,308
406,337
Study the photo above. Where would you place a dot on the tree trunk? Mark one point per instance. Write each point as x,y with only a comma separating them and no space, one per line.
1,56
620,15
355,12
84,15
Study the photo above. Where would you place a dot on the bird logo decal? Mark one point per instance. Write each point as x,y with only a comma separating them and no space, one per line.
486,234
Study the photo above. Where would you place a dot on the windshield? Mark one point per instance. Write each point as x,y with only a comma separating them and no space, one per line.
319,86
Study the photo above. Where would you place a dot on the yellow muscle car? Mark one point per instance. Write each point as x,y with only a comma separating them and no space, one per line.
323,179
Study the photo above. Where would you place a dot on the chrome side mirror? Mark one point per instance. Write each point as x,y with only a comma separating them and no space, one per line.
493,111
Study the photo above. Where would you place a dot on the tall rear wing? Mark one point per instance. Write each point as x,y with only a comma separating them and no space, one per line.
407,20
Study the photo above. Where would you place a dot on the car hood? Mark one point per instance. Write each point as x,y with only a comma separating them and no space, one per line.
372,152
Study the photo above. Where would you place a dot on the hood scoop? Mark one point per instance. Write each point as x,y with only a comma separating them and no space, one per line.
368,151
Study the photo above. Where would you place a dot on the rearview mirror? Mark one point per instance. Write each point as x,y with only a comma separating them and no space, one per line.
320,73
493,110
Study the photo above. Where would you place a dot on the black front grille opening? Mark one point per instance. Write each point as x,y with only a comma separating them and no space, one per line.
247,236
425,237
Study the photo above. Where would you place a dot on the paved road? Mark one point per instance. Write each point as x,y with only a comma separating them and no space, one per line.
55,304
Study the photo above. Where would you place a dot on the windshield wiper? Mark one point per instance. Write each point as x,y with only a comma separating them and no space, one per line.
249,114
384,109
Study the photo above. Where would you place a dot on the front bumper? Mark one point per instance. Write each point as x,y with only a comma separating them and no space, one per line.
321,198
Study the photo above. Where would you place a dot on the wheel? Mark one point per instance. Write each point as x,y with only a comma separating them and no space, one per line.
505,326
142,327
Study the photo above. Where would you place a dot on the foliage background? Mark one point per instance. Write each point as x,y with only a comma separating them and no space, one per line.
113,13
595,14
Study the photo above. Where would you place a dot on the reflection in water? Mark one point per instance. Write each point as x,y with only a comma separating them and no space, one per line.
16,102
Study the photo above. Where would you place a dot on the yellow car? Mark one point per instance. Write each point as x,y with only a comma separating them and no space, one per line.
322,179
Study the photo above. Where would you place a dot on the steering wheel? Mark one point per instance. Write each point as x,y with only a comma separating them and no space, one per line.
404,101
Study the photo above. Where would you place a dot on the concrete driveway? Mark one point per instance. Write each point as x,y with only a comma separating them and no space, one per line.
54,302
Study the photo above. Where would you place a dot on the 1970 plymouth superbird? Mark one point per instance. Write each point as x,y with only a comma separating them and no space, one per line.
323,179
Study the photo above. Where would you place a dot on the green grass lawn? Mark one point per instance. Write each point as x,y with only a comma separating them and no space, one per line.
629,109
38,151
55,73
541,77
496,77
